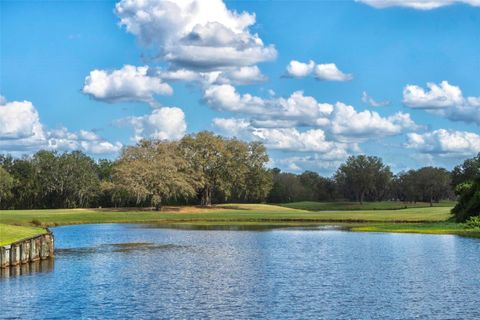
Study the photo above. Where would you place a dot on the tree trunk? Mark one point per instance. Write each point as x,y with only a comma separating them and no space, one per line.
206,196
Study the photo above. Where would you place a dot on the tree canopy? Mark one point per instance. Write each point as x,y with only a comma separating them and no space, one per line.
206,168
6,185
364,176
227,168
466,180
155,171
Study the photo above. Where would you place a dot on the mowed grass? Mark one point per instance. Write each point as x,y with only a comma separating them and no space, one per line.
348,206
10,233
425,228
421,220
223,213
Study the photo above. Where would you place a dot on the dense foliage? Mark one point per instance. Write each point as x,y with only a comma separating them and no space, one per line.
205,168
363,178
199,169
428,184
154,171
466,181
473,223
227,169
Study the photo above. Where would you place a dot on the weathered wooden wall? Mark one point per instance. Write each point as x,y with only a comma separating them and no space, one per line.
39,247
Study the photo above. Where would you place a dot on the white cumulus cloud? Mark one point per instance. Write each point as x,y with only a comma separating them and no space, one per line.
343,122
320,162
127,84
446,143
19,120
286,139
299,69
22,131
445,100
86,141
241,76
348,124
297,107
325,72
436,96
166,123
195,34
418,4
330,72
366,98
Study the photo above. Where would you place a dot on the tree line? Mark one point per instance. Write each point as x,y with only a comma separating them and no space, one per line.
205,168
199,169
364,178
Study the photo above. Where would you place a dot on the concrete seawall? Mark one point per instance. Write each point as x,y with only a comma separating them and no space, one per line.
39,247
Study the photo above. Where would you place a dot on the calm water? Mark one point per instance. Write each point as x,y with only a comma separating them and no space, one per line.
126,271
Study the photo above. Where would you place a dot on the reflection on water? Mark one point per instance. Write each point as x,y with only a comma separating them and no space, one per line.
40,266
268,226
125,271
117,247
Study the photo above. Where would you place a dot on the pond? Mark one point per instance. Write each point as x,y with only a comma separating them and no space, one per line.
129,271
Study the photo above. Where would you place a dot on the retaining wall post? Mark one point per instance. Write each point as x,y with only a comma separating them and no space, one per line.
4,256
15,254
25,251
40,247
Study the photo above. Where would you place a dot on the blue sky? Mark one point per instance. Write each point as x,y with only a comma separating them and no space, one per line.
99,75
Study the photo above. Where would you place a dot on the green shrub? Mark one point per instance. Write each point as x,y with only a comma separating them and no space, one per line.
36,222
473,223
469,200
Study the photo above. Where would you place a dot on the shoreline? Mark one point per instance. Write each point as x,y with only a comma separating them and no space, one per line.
424,220
31,249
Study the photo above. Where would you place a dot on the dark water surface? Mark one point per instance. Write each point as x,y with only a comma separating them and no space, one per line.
118,271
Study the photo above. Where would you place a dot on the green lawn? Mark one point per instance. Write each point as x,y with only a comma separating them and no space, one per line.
421,220
382,205
225,213
9,233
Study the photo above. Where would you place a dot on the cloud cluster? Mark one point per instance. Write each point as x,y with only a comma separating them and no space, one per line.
319,162
343,122
366,98
418,4
286,139
298,109
443,99
195,34
19,121
445,143
347,124
200,41
206,43
127,84
235,76
167,123
87,141
22,131
325,72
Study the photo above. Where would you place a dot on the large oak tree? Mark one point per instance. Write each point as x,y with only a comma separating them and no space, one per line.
155,171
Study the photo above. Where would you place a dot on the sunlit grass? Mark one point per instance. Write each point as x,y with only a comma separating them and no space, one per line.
381,205
231,212
10,233
420,220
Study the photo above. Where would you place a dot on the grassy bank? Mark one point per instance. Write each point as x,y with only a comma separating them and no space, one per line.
10,233
419,219
348,206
